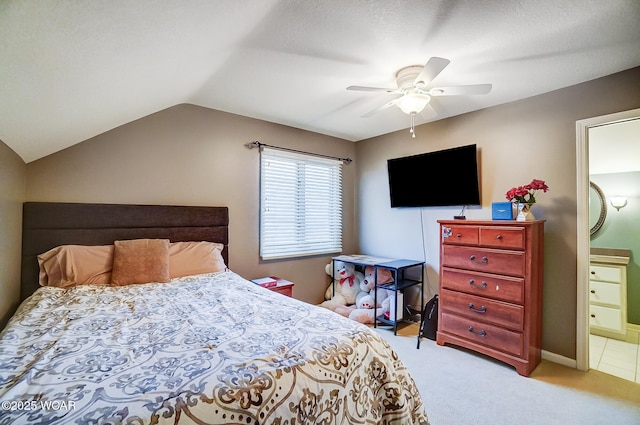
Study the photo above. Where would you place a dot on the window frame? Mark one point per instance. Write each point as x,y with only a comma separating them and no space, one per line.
307,217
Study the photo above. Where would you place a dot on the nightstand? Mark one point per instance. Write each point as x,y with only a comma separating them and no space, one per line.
281,286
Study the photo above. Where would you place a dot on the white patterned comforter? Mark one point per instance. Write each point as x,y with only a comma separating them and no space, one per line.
206,349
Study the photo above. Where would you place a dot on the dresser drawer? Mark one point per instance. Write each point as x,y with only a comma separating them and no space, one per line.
608,274
605,293
482,333
502,237
511,263
457,235
487,285
507,315
606,317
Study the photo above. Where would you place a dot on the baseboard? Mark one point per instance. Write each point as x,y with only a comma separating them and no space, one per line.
633,336
633,333
557,358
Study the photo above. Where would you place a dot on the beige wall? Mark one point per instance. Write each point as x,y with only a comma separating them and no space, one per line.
533,138
189,155
12,193
196,156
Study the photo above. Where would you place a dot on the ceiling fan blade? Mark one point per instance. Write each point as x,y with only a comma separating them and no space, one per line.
382,108
432,68
471,89
378,89
429,112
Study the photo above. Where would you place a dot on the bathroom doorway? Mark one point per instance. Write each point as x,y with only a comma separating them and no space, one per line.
596,128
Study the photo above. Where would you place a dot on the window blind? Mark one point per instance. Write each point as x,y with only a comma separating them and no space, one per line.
300,205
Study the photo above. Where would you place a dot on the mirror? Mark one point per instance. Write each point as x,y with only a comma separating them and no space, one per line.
597,208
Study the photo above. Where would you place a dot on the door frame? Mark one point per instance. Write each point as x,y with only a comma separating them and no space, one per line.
583,236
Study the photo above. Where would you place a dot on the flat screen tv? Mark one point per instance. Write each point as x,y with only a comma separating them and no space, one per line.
435,179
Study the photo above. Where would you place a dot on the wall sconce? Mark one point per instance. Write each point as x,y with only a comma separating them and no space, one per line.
618,202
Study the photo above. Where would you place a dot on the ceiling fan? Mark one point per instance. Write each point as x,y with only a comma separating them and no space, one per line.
412,85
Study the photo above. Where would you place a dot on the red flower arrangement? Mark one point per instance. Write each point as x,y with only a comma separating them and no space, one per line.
519,194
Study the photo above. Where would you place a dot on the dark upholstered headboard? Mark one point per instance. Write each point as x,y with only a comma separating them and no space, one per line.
46,225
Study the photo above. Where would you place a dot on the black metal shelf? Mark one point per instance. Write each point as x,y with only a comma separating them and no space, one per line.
404,283
397,267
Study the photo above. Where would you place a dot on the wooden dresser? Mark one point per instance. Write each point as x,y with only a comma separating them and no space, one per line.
491,275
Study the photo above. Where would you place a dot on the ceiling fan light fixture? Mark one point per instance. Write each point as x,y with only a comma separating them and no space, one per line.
413,103
412,82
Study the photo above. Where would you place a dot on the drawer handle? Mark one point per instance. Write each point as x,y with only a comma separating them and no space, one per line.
593,291
593,315
485,260
499,237
473,284
481,333
593,272
481,310
458,235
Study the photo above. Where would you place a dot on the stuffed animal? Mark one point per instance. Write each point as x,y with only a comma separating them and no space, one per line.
364,299
384,276
347,286
365,315
382,296
365,312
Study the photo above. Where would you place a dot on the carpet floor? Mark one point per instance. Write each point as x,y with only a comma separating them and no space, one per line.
461,387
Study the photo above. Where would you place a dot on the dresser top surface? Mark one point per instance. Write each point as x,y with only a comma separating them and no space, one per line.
491,222
610,255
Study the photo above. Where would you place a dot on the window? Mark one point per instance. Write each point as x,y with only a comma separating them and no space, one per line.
300,205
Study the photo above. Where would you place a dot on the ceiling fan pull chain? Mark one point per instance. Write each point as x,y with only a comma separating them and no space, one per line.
412,130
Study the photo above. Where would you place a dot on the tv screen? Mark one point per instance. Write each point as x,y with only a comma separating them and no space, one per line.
435,179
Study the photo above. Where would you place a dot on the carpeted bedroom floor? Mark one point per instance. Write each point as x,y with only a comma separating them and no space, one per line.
461,387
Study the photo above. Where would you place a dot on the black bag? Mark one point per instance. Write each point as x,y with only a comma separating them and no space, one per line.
429,320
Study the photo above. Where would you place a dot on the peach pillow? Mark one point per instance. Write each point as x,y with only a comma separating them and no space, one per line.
71,265
140,261
189,258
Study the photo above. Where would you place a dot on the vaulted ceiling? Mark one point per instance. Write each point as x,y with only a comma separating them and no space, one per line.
70,70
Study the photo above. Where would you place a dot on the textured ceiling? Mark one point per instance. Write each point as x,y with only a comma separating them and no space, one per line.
70,70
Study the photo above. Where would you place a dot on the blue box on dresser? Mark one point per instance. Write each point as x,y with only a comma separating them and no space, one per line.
501,211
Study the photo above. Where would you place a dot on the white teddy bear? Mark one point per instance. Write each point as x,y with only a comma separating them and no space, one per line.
365,311
347,287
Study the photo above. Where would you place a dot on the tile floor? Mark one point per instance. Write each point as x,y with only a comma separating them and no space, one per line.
615,357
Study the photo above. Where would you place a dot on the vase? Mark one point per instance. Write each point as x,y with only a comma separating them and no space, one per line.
524,212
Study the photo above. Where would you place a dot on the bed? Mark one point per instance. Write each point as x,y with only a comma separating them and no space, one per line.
204,348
